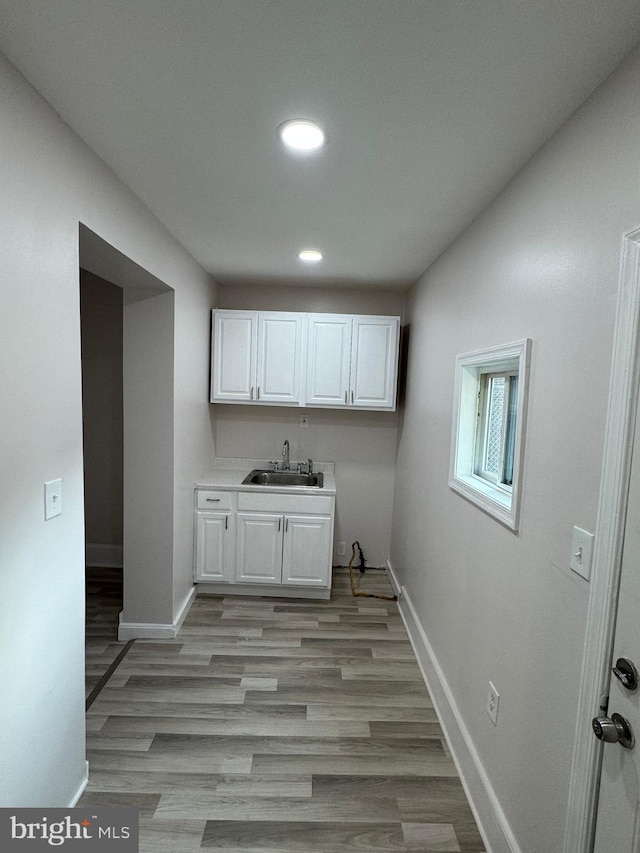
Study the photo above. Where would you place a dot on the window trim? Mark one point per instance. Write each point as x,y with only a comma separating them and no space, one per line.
500,502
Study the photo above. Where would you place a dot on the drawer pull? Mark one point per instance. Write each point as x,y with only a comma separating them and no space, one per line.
213,500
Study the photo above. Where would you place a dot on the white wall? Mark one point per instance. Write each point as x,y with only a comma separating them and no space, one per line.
542,262
362,444
148,461
51,182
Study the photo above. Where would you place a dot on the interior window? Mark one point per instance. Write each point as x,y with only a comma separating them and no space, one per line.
488,428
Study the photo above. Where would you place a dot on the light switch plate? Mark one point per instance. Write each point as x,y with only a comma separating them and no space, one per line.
52,499
581,552
493,703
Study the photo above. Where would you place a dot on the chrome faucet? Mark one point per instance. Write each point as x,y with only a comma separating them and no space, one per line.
309,466
285,456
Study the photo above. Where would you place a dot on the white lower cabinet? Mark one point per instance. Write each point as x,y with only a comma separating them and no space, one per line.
259,548
287,549
267,539
215,537
306,553
215,534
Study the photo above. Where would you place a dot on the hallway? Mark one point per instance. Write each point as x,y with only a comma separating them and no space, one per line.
279,725
103,594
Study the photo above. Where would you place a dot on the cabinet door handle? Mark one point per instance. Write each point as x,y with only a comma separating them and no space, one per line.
251,396
213,500
352,398
226,522
346,401
286,525
258,395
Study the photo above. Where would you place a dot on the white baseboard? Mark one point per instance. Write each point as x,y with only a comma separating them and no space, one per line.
146,631
263,589
81,787
107,556
497,835
157,630
393,579
185,608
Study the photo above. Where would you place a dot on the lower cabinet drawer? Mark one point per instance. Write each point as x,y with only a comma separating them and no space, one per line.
214,500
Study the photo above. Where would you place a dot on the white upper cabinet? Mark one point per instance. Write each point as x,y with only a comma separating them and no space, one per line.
279,350
353,361
256,357
279,358
233,356
328,360
374,362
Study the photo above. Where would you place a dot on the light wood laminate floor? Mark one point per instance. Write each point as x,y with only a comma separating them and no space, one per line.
279,726
103,604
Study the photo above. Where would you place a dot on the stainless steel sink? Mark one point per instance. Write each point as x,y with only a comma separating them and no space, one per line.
261,477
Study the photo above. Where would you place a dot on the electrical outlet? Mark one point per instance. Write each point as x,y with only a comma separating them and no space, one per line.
493,703
341,549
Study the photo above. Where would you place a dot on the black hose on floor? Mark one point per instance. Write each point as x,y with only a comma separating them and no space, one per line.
356,592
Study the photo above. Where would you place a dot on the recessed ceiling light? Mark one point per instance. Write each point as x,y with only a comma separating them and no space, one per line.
310,256
301,135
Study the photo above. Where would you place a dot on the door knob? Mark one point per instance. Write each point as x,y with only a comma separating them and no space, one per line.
613,730
626,673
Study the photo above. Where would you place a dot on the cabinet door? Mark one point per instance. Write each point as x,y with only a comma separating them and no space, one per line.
259,547
306,559
374,362
233,356
214,546
329,350
279,356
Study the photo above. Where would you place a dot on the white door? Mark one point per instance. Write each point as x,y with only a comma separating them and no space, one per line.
306,559
374,360
234,356
279,356
618,816
259,547
213,552
329,353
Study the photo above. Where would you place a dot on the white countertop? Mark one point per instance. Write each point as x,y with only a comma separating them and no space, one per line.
228,473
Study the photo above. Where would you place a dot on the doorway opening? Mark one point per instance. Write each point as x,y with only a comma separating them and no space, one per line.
127,318
101,316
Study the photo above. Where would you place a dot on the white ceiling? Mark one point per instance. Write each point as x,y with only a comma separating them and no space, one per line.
430,107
